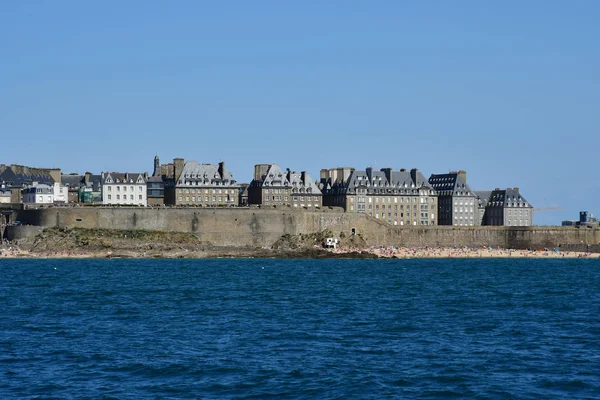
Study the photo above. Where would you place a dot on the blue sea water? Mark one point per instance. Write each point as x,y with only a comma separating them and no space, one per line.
300,329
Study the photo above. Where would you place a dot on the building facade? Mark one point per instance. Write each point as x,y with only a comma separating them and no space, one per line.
457,203
401,197
126,188
41,194
272,187
82,189
507,207
201,185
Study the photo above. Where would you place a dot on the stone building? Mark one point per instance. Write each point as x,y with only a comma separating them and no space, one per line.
397,197
156,186
273,187
482,200
124,188
507,207
201,185
456,201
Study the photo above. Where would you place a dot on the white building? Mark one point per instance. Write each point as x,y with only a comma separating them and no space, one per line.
124,188
61,193
5,195
38,194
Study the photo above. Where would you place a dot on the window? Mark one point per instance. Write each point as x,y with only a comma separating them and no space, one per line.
118,197
140,197
109,196
109,188
130,197
131,188
124,188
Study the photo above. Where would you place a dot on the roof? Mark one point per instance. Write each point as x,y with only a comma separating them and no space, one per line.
43,187
483,197
275,177
123,177
451,184
19,175
385,180
205,174
508,198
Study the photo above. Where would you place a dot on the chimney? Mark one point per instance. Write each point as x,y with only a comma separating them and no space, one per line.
260,170
303,176
369,171
55,174
388,174
157,167
170,171
463,174
516,189
324,174
402,169
178,164
222,169
414,175
87,177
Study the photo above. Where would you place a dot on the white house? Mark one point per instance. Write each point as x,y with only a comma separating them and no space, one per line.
38,194
124,188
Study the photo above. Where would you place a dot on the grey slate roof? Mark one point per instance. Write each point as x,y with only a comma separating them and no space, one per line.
303,185
450,184
19,175
508,198
122,177
78,181
483,197
383,181
204,174
275,177
44,189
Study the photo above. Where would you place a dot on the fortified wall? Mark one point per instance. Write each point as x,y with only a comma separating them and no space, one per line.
263,227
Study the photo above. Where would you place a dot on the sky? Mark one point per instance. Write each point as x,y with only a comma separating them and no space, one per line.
508,91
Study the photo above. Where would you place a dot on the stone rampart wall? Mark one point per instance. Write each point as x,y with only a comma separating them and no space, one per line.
261,227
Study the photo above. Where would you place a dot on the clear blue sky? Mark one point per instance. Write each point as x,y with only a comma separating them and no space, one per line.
509,91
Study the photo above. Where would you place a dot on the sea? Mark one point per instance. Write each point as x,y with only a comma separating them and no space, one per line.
300,329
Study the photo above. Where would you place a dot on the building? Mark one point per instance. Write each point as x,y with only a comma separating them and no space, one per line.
507,207
482,200
38,194
17,177
156,186
271,187
84,189
5,195
202,185
127,188
243,202
401,197
585,219
456,201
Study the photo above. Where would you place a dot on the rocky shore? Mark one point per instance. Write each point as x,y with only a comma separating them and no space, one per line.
96,243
